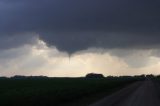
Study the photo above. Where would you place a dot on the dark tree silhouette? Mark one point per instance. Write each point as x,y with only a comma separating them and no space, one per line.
94,75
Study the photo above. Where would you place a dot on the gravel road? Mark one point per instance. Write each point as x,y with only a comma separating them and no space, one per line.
143,93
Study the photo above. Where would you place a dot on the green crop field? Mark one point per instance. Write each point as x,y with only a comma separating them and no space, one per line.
57,91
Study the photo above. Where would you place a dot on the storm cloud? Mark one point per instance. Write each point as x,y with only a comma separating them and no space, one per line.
75,25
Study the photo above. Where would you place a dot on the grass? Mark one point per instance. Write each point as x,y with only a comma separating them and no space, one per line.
57,91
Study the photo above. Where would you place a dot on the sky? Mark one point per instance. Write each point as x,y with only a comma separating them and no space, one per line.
70,38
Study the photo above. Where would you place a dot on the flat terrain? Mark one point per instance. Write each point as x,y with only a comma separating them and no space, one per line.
58,91
144,93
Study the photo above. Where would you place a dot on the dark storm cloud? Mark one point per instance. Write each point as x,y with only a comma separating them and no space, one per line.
14,41
73,25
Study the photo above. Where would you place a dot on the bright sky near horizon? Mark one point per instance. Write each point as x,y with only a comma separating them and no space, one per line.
39,59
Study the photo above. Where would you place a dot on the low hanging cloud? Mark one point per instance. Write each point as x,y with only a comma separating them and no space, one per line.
39,59
76,25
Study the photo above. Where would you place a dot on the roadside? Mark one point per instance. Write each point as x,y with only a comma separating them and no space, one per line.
145,93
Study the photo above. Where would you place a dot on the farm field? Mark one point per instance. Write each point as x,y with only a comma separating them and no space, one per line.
58,91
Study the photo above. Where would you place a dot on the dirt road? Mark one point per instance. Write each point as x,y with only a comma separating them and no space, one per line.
138,94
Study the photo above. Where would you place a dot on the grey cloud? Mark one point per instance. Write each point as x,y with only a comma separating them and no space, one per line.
133,57
17,40
75,25
72,42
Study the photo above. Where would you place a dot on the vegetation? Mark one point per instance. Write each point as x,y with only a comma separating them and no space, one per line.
43,91
94,75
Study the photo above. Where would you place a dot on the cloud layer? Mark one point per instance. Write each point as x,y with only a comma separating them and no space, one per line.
117,37
77,25
38,59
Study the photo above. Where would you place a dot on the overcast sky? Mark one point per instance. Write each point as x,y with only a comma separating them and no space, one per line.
76,37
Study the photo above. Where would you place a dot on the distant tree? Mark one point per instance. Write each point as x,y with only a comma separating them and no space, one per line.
3,77
150,76
18,77
94,75
28,77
